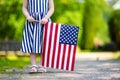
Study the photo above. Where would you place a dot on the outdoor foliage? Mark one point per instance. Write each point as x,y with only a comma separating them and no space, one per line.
11,19
95,28
114,25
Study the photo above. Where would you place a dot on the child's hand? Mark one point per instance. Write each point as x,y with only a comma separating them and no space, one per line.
44,20
30,19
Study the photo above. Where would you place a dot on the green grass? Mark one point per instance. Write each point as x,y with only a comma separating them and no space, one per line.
117,55
12,61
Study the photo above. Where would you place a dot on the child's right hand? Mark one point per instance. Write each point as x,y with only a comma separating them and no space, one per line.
31,19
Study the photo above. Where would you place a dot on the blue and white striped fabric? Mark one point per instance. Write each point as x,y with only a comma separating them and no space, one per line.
33,32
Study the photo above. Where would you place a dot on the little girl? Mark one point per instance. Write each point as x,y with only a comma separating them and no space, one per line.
37,13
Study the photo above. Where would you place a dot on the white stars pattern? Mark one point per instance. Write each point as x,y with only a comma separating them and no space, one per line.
68,34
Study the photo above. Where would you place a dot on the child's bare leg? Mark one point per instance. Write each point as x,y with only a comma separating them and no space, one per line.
33,67
33,58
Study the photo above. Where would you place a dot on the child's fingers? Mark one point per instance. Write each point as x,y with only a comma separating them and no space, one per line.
43,22
37,20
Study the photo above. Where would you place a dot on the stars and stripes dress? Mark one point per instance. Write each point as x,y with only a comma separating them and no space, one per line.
33,32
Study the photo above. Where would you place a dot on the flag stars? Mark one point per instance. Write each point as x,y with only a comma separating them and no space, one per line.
68,34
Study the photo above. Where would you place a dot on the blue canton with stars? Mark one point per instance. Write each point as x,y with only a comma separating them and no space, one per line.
68,34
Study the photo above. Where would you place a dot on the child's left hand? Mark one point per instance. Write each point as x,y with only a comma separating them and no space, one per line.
44,21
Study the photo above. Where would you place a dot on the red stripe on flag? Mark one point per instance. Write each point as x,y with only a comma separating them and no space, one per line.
58,57
68,58
54,45
49,44
63,57
73,60
44,44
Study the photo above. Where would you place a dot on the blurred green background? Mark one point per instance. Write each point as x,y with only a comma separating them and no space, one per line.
99,21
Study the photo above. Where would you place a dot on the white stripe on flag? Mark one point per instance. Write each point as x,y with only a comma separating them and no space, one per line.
49,44
60,58
52,45
66,55
71,56
47,40
57,44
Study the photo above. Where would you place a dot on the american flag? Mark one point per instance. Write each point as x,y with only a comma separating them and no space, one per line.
59,46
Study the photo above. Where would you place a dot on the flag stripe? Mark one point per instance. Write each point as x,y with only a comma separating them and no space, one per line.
66,55
44,44
73,60
68,58
58,56
49,44
61,53
63,56
54,48
71,56
57,45
52,43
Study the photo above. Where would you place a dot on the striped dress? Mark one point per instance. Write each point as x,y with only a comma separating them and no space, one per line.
33,32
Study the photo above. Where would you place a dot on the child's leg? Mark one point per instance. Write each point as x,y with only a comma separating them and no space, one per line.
33,67
33,58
